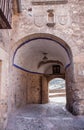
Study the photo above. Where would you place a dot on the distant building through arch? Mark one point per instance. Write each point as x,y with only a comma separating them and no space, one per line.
57,91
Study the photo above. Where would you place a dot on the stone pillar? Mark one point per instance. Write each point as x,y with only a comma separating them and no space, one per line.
70,87
44,90
75,89
78,104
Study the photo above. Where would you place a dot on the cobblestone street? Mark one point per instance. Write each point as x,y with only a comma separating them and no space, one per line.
45,117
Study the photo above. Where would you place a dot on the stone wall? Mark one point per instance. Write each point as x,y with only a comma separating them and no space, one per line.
4,77
68,26
34,87
26,88
4,86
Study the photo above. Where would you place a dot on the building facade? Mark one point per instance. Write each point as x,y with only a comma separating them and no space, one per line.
52,29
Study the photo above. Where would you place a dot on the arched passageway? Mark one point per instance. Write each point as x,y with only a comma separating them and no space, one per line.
47,57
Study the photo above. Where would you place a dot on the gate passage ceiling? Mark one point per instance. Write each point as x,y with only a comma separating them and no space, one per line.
30,53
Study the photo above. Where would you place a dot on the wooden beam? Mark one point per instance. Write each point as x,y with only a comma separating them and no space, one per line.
53,2
16,6
5,14
4,24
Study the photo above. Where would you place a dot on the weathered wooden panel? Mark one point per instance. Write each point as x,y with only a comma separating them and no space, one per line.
5,14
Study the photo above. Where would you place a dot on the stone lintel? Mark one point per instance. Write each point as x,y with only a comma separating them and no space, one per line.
53,2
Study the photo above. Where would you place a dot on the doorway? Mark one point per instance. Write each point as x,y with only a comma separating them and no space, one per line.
57,91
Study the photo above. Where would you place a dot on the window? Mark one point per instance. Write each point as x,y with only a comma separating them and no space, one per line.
56,69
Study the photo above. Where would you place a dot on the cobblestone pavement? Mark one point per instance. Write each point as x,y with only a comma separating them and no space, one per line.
44,117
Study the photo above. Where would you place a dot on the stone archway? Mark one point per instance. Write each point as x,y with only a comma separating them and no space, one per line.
59,53
35,47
